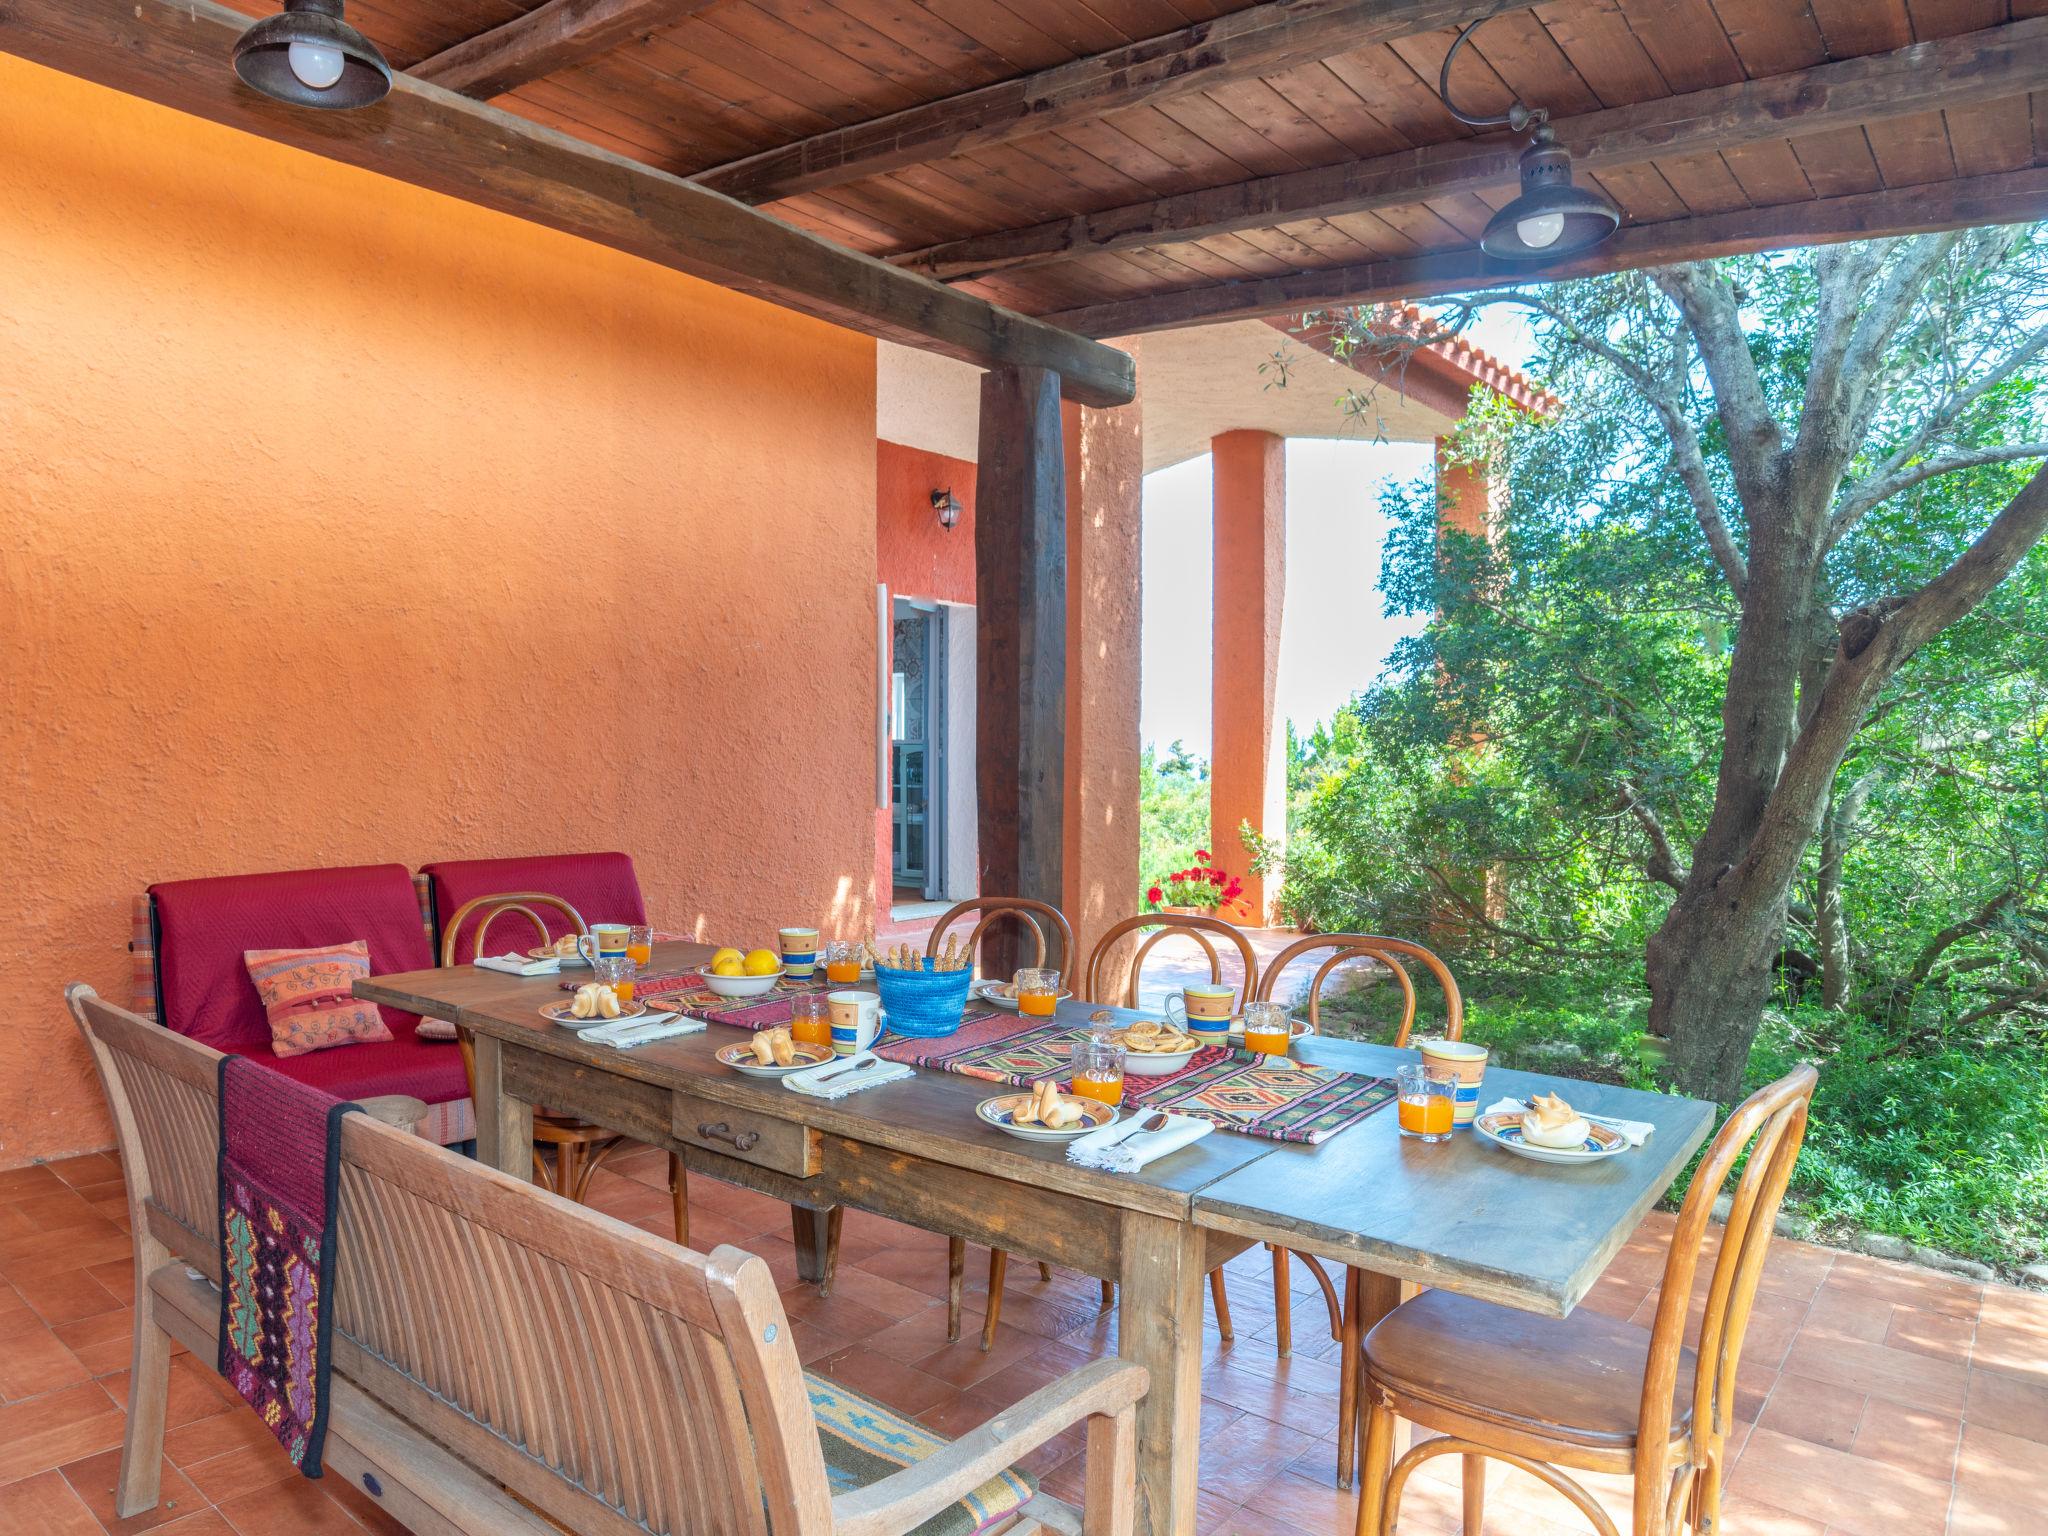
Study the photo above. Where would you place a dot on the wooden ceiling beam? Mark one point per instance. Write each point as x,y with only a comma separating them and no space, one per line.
176,52
1995,64
558,35
2013,197
1237,46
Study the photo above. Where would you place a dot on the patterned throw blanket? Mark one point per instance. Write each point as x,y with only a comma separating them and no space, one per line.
280,1161
1284,1100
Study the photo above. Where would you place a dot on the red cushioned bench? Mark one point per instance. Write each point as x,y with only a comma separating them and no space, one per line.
602,887
200,928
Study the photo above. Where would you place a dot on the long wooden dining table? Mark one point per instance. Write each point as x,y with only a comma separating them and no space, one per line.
1460,1215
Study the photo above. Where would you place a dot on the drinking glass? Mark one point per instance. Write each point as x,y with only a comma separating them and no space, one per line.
1098,1070
810,1020
640,945
1428,1104
1038,992
842,963
616,972
1268,1031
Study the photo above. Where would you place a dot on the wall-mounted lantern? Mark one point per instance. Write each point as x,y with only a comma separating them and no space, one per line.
947,505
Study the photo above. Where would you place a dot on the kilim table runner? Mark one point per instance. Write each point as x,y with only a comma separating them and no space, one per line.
685,992
280,1157
1271,1096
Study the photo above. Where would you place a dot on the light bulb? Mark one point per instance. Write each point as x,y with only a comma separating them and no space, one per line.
1540,230
318,65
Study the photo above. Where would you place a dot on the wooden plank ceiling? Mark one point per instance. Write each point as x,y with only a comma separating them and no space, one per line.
1126,164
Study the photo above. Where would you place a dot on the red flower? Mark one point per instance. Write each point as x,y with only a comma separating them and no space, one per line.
1215,877
1201,855
1155,895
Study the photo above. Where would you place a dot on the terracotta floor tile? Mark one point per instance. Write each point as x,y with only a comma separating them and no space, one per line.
16,1315
915,1269
242,1470
92,1479
1942,1335
21,1183
858,1283
369,1514
1876,1368
1973,1514
46,1432
1813,1410
922,1333
45,1505
1906,1284
103,1342
1850,1313
207,1522
1902,1435
91,1168
1312,1413
81,1247
34,1363
66,1296
293,1507
891,1382
2002,1468
197,1392
2008,1403
215,1435
1747,1517
1796,1269
62,1210
2012,1348
838,1312
964,1363
1860,1497
117,1277
1308,1505
2009,1306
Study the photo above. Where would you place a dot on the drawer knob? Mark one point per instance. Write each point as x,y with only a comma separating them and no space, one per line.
742,1141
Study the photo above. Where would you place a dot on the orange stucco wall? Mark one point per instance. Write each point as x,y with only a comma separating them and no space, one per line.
914,555
346,522
1247,774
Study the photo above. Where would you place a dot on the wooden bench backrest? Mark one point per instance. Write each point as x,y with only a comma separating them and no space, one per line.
614,1381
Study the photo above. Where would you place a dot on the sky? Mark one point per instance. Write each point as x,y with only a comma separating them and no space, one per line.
1334,634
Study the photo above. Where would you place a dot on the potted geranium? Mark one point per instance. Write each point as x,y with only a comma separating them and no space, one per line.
1203,889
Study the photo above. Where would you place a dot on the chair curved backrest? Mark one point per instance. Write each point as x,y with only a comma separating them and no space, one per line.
1016,908
1371,946
1769,1126
1170,925
488,909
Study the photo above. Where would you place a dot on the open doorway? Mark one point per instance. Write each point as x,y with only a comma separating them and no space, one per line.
918,761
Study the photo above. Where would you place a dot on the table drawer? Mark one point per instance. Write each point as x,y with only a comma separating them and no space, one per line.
763,1140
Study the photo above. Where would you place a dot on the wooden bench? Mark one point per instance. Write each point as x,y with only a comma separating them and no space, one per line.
507,1362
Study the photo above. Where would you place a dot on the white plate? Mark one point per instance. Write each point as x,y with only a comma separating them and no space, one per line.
1002,994
996,1112
740,1058
742,986
1299,1028
560,1013
572,958
1154,1063
1505,1130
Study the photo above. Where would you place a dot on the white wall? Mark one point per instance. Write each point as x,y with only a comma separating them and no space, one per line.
923,400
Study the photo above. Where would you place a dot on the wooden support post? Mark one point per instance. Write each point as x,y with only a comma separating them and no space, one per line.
1160,1327
1020,572
504,1125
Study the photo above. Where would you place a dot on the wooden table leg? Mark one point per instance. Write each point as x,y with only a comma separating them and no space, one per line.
504,1125
812,1231
1160,1327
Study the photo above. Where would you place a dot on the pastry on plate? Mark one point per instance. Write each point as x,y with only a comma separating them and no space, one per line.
1550,1122
594,1000
773,1048
1047,1107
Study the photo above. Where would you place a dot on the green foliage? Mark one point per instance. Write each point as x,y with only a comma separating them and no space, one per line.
1173,813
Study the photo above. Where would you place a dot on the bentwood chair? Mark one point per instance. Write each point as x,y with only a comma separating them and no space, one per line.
1345,947
1588,1393
1199,927
1035,916
579,1147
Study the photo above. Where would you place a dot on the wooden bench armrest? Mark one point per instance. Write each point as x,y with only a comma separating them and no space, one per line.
906,1499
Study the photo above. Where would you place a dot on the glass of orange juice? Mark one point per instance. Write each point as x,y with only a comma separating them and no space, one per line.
842,963
1038,992
1268,1031
640,945
810,1020
616,972
1428,1103
1098,1070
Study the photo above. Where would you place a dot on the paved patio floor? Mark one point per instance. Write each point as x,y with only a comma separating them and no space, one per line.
1875,1399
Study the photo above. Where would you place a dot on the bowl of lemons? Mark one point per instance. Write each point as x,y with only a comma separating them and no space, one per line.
752,973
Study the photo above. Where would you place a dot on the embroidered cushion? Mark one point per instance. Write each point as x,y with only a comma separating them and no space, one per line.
864,1442
306,996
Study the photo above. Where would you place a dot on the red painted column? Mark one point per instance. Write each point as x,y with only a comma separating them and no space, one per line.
1105,485
1464,491
1248,770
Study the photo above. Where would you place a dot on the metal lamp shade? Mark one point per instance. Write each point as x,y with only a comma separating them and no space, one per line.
262,57
1547,191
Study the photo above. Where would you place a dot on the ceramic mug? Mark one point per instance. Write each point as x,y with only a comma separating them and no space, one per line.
1203,1011
799,951
604,941
856,1019
1465,1064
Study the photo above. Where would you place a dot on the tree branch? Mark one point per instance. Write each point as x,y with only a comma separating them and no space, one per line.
1714,316
1873,491
1662,864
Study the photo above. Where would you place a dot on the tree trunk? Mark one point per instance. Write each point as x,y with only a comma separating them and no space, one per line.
1831,920
1710,966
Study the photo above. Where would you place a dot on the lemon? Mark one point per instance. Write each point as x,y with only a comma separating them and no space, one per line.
728,953
763,962
729,966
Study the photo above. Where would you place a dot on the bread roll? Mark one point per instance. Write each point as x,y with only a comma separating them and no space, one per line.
1550,1122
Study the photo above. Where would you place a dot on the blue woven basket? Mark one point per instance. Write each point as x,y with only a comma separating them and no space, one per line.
925,1004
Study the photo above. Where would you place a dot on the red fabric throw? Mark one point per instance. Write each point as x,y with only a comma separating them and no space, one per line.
601,886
